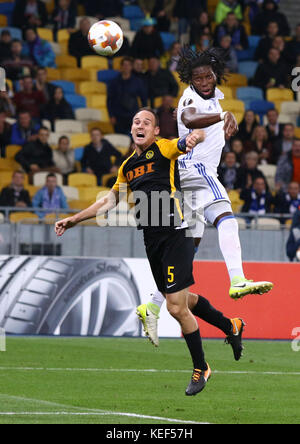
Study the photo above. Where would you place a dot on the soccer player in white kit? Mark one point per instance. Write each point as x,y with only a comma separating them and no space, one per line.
204,195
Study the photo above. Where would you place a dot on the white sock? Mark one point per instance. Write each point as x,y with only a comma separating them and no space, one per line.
157,298
230,246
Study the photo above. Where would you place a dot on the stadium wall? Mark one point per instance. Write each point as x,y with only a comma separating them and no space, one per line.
98,296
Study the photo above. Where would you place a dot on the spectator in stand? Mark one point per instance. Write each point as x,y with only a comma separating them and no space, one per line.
293,243
24,130
28,99
57,108
293,47
247,126
173,57
160,81
103,8
203,43
17,65
269,14
283,144
147,41
37,155
231,56
265,44
288,167
41,84
232,27
273,73
199,26
29,13
228,171
258,200
5,45
138,69
247,173
51,197
238,149
63,16
274,129
38,50
78,45
260,144
279,43
167,123
122,97
97,156
288,202
15,194
64,157
225,7
5,133
162,12
185,11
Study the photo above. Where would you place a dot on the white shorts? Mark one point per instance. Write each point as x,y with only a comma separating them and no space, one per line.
204,198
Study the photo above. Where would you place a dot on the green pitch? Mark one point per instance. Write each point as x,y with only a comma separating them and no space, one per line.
128,381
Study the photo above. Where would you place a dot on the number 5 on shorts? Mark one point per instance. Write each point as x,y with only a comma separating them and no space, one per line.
171,274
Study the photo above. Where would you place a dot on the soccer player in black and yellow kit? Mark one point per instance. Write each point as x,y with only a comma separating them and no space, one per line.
152,169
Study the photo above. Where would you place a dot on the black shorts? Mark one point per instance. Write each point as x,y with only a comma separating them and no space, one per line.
171,255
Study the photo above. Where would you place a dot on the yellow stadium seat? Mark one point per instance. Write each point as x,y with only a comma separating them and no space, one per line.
53,74
12,150
235,200
91,87
105,127
82,180
45,34
80,204
106,177
64,47
63,35
32,190
6,177
94,62
235,80
9,164
50,5
235,106
66,61
75,74
91,193
297,133
78,140
3,20
227,91
53,217
158,102
117,63
23,217
274,94
96,100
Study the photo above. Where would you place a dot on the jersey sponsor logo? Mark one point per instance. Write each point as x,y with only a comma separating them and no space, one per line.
187,102
149,155
140,171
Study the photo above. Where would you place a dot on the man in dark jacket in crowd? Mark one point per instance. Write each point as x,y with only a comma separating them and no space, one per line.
24,130
247,174
270,14
122,97
97,156
161,82
289,202
147,41
288,167
15,195
258,199
273,73
78,42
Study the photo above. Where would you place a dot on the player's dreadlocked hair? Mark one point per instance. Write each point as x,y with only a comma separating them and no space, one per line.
189,60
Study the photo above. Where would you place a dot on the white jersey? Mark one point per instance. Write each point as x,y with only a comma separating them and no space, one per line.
209,152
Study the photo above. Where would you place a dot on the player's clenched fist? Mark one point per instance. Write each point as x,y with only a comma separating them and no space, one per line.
195,137
62,225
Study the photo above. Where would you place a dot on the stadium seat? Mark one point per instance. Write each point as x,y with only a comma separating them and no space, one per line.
53,139
47,124
32,190
136,24
265,223
130,36
91,193
66,61
269,172
87,114
168,39
287,118
94,62
45,34
23,217
76,74
227,91
133,12
107,75
245,55
68,126
278,94
116,63
122,22
39,179
9,164
82,180
158,102
248,68
78,153
3,20
118,140
15,33
75,100
253,41
236,80
92,20
106,178
261,107
248,94
78,140
104,125
290,107
63,35
6,8
1,218
71,193
80,204
6,177
56,48
235,106
53,74
297,133
241,223
235,200
11,151
96,100
92,88
67,86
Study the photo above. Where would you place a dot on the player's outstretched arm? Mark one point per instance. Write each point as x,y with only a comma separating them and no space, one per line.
194,120
98,208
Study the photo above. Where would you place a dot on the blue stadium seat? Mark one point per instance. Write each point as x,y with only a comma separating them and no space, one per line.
168,39
78,153
248,68
7,9
245,54
67,86
249,94
132,12
261,107
107,75
136,24
15,33
254,41
76,101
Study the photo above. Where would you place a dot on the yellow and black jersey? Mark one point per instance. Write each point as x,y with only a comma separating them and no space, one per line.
153,178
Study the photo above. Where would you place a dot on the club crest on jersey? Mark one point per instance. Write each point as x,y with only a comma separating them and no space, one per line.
187,102
149,155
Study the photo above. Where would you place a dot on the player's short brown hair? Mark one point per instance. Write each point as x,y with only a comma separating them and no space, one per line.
152,111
